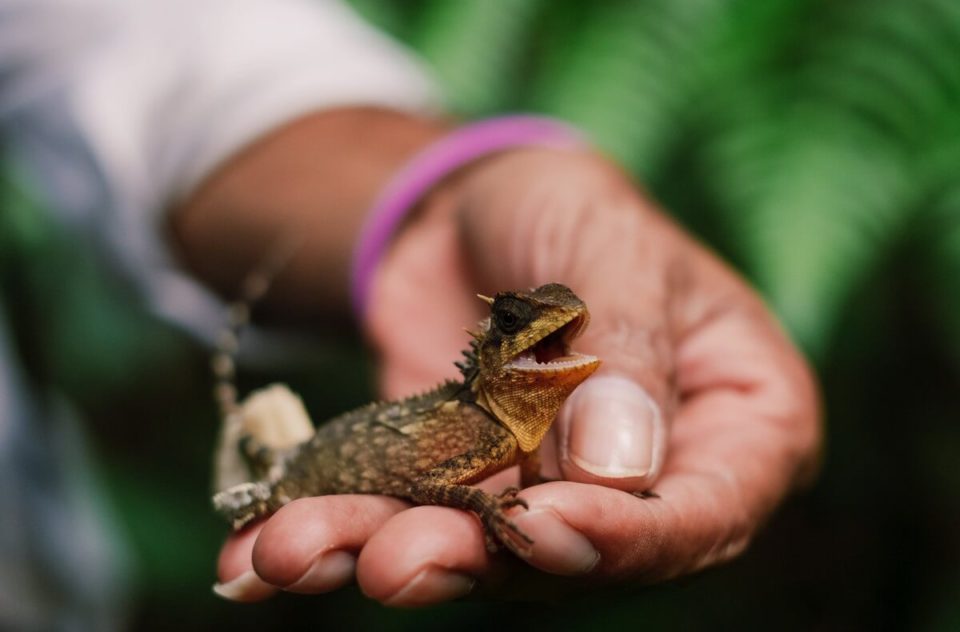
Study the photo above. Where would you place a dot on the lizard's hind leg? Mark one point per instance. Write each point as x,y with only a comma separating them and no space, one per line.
259,458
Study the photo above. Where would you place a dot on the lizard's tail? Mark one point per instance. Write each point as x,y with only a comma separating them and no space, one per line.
252,289
229,468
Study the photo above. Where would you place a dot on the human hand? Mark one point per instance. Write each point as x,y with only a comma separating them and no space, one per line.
684,342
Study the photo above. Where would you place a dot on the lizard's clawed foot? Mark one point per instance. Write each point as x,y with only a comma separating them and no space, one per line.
504,530
508,498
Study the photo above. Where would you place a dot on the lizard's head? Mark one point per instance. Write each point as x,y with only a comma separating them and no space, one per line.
524,367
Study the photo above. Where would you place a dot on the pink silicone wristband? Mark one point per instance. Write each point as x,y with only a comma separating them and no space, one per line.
429,167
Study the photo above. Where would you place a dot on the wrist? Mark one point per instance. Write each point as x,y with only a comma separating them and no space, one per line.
538,208
317,177
430,168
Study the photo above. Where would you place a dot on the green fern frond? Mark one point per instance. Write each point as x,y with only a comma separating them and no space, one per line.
819,173
625,74
637,75
815,124
939,241
813,205
943,269
473,47
23,230
891,63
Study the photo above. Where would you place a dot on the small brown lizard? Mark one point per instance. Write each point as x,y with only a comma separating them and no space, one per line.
430,448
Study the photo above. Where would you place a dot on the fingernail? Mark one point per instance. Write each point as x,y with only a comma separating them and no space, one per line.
559,548
432,585
330,571
245,587
613,428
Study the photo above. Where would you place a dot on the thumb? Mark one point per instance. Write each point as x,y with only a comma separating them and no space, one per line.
612,433
571,218
614,429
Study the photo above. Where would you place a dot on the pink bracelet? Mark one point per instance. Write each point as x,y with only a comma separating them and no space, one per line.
429,167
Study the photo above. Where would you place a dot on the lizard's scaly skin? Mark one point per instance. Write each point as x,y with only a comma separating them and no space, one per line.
430,448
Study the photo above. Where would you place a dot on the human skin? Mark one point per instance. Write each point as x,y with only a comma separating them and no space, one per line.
700,395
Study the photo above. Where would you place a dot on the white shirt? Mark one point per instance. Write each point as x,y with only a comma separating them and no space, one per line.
115,110
118,108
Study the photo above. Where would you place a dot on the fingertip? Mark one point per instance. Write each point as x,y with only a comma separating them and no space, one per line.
423,556
431,586
245,588
235,554
612,433
238,580
328,572
557,548
310,545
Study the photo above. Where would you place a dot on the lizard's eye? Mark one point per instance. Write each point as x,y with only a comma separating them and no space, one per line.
511,315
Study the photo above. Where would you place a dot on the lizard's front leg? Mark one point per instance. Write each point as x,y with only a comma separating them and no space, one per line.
490,509
445,485
530,469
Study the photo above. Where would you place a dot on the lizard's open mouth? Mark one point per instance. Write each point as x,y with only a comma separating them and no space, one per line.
552,352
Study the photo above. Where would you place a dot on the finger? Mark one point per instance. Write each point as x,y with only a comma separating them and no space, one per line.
611,432
746,433
310,546
711,500
429,555
419,304
723,479
614,430
423,556
238,580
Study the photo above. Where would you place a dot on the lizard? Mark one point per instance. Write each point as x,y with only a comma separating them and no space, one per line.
430,448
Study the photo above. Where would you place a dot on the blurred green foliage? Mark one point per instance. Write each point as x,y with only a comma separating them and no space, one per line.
815,144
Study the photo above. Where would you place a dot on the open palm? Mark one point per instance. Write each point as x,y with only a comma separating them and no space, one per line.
700,396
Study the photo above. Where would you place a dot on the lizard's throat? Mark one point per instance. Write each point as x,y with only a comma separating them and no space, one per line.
527,402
